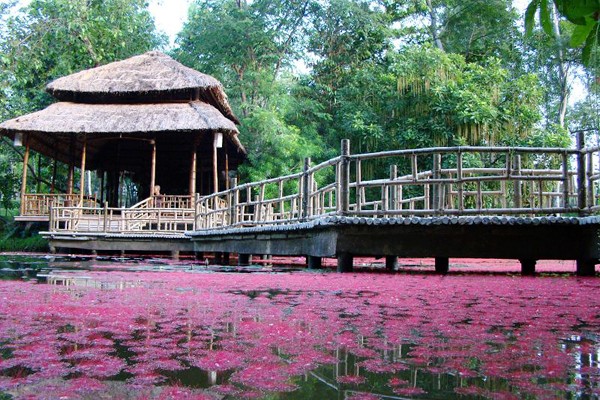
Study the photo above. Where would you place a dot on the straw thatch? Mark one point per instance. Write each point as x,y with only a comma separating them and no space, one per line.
149,77
65,117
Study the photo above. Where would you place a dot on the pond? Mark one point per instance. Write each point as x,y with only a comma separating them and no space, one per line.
153,329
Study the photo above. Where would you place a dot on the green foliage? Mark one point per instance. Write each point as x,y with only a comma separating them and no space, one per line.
584,14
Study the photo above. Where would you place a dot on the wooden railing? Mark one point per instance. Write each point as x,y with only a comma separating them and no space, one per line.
450,181
37,204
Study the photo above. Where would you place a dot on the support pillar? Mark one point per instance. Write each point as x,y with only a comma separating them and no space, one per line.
192,187
24,179
175,254
442,265
244,259
215,170
345,262
153,168
528,266
313,262
391,263
586,267
82,178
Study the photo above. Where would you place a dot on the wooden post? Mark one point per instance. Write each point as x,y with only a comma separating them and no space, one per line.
586,267
313,262
518,202
153,168
345,262
528,266
105,216
581,175
344,179
232,200
590,198
459,180
393,189
82,178
391,263
215,171
71,176
24,179
193,165
305,189
244,259
565,170
226,151
437,195
442,265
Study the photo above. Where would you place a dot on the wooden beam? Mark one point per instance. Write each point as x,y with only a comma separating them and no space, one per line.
82,179
24,179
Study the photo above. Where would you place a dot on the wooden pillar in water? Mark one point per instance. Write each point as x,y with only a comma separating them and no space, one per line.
345,262
313,262
391,263
528,266
24,178
586,267
82,178
442,265
244,259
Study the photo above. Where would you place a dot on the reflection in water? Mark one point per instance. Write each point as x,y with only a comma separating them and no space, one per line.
130,333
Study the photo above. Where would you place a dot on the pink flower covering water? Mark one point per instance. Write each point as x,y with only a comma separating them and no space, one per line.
248,335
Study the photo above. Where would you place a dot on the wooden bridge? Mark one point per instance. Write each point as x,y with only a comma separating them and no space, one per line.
491,202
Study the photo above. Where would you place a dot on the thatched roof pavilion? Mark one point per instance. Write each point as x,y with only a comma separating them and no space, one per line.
149,116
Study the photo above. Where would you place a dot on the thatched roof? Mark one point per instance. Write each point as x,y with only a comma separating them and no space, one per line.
149,77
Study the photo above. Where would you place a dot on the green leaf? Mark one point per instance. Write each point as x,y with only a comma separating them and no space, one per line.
590,43
576,11
530,16
545,17
581,33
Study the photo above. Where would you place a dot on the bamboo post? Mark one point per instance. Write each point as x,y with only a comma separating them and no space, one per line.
305,189
215,171
436,189
344,178
565,177
518,201
232,194
193,166
393,188
359,189
590,184
82,178
459,181
105,222
24,179
581,174
71,176
153,168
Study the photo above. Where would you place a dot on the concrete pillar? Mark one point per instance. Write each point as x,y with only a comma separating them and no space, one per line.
313,262
344,262
586,267
391,263
528,266
442,265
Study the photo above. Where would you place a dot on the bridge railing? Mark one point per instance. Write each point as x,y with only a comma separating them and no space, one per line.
450,181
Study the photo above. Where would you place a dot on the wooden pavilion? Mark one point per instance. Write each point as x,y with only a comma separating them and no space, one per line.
147,117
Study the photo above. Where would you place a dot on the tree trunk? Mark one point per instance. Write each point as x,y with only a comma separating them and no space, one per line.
434,26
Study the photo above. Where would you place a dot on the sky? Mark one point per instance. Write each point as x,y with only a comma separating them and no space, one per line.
169,15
